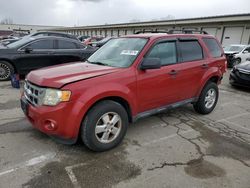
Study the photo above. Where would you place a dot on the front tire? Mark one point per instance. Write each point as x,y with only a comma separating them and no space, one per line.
207,99
6,70
105,126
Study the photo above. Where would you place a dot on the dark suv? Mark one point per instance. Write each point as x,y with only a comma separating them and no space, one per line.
127,79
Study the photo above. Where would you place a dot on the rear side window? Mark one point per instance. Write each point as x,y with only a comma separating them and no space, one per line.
165,51
41,45
63,44
190,50
213,47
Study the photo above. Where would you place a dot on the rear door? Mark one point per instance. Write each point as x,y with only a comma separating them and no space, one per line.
159,87
67,51
192,67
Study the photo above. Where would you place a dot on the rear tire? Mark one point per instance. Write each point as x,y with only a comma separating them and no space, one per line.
207,99
6,70
104,126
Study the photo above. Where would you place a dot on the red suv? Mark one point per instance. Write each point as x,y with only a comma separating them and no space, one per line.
128,78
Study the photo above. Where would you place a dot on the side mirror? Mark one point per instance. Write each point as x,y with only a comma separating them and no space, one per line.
150,63
28,50
245,52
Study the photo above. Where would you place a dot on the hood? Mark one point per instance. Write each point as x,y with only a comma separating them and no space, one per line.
231,52
4,50
58,76
244,66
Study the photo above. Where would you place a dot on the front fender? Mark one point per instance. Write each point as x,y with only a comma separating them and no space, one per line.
96,93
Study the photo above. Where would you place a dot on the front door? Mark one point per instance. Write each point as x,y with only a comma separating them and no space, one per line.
159,87
35,55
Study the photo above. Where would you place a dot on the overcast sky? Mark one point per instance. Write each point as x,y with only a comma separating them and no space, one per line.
91,12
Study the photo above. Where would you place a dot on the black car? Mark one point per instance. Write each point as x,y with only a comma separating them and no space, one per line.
55,34
8,41
32,53
240,74
100,43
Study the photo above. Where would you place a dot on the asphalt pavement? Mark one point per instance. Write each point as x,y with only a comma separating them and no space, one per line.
178,148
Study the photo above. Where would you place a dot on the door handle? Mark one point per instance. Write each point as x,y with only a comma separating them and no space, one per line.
204,66
173,72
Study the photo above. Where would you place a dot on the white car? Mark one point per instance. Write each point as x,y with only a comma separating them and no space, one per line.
237,53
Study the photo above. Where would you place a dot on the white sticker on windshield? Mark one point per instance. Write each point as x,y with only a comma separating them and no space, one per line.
129,52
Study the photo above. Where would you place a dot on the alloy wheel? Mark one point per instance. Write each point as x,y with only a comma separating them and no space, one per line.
4,71
108,127
210,98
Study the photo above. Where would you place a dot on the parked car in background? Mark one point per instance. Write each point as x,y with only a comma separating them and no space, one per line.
236,54
55,34
82,38
8,37
100,43
32,53
92,39
5,42
127,79
240,74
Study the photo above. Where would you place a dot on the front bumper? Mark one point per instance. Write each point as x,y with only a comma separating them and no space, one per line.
61,122
238,80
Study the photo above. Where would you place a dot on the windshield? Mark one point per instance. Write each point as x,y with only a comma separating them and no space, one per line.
20,42
234,48
120,52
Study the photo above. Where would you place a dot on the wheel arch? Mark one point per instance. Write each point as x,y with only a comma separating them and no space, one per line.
213,76
11,62
117,99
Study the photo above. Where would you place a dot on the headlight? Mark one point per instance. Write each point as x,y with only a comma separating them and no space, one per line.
54,96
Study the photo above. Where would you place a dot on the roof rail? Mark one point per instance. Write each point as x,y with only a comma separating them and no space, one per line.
173,31
186,31
151,31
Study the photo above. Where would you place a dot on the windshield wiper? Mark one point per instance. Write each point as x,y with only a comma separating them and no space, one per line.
98,63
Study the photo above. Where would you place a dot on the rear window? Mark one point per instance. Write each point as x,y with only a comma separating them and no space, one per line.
213,47
190,50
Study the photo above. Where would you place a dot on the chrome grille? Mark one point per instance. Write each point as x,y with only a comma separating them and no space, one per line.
33,94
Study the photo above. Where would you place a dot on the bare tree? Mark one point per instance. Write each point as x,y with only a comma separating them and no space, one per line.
6,21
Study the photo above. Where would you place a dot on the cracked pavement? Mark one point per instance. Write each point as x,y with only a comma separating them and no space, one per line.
177,148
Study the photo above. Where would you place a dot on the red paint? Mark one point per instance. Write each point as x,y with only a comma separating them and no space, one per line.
143,90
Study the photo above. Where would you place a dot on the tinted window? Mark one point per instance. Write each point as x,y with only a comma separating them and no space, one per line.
247,49
165,51
190,50
63,44
213,47
42,44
